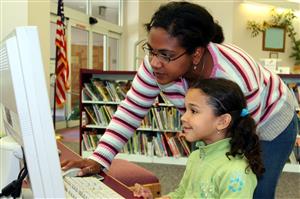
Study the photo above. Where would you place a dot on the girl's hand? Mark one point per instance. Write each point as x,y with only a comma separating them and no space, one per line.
140,191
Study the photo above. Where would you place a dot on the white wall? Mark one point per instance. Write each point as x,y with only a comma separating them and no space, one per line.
136,14
223,13
242,36
24,13
39,15
9,18
231,15
130,34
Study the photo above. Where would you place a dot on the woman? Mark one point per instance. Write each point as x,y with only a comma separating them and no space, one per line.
182,48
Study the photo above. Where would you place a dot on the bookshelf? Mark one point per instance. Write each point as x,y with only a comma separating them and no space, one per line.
151,127
293,82
154,141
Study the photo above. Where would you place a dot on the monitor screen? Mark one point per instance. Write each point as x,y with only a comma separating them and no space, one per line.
26,110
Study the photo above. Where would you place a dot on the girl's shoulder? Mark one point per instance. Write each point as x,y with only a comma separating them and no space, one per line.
233,165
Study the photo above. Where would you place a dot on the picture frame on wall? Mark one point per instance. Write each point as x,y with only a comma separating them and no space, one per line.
274,39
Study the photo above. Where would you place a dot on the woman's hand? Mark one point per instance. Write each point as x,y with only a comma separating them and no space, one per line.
87,166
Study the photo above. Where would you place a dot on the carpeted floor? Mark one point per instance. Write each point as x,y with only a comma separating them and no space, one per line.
287,188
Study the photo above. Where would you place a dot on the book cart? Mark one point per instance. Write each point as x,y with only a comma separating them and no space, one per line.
155,141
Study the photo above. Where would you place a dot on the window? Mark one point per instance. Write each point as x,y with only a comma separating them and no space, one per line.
107,10
89,46
79,5
113,54
79,59
98,51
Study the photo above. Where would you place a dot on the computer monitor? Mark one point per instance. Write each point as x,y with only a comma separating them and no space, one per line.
26,115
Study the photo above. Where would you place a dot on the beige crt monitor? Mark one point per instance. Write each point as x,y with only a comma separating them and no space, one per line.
27,115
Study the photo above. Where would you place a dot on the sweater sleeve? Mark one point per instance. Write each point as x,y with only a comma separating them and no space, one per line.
238,66
129,114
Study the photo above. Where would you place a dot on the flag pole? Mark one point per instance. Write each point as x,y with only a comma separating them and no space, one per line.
61,63
55,70
54,98
55,73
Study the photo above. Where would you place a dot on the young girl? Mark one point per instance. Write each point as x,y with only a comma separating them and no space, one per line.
227,162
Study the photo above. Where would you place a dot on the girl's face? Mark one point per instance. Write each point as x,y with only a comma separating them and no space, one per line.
199,121
160,42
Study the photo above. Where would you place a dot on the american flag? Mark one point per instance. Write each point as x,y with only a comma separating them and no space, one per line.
62,67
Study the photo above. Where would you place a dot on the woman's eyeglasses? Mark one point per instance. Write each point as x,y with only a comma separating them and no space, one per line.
160,56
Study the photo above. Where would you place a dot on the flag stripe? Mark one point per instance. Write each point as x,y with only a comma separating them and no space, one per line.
62,67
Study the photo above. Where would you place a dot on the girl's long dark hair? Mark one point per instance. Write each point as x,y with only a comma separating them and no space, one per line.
190,23
225,96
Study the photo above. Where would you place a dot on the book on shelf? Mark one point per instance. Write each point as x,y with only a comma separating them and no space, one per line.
156,118
90,140
101,93
159,144
91,115
172,144
90,92
104,117
165,118
158,150
96,113
295,90
163,143
111,87
122,88
84,118
184,145
102,90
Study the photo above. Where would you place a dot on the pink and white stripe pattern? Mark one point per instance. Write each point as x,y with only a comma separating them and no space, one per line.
264,90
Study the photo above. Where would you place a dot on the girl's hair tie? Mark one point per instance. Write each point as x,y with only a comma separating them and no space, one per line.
244,112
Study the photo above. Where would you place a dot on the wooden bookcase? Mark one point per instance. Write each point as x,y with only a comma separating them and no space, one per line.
151,127
85,77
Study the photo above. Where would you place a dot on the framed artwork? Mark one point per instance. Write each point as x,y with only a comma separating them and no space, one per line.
274,39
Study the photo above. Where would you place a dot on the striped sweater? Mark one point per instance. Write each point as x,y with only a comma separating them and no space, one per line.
268,98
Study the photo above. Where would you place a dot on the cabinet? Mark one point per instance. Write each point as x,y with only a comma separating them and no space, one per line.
154,141
293,82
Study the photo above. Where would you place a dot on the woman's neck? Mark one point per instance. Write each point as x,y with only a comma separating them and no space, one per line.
203,70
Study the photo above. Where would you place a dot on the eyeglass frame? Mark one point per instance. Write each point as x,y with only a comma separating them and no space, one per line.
160,57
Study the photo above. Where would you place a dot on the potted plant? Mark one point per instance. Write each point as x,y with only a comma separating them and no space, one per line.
285,20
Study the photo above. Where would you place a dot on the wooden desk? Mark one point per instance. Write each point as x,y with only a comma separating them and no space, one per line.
113,183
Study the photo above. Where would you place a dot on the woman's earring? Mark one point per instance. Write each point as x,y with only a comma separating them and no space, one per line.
195,67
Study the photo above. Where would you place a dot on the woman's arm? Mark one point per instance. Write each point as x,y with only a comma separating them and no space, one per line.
128,116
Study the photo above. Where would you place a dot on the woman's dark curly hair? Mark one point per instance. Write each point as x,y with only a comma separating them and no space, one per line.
225,96
190,23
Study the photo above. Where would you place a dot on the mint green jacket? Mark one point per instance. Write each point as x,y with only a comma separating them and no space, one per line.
210,174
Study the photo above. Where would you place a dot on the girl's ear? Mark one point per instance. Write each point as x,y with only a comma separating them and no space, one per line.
223,121
197,55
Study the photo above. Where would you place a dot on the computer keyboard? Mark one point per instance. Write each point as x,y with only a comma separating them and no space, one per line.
88,187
